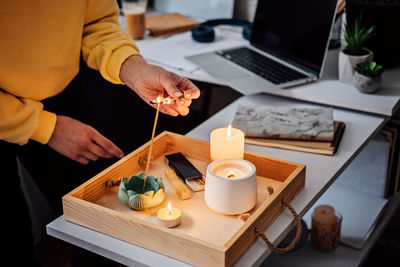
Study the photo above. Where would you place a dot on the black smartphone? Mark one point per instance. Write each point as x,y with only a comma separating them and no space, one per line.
186,171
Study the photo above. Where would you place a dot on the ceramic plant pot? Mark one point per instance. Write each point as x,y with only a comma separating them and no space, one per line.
131,192
347,63
366,84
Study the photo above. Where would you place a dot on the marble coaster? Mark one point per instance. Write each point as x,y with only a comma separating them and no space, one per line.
285,122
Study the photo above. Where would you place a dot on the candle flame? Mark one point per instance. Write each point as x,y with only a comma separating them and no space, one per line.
229,131
169,208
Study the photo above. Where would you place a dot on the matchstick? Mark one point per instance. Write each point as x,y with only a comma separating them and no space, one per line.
151,145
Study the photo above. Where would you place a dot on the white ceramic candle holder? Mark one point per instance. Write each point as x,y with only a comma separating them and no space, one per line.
234,195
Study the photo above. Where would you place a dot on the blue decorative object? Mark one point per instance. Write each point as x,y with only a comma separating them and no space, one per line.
131,191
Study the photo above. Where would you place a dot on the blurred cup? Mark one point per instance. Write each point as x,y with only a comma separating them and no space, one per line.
134,12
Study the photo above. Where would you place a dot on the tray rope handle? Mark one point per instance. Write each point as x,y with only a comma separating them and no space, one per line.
295,239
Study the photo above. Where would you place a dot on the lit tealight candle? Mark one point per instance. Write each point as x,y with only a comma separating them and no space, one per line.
169,217
226,143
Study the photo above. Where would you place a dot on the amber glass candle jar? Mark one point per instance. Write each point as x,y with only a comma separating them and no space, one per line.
325,228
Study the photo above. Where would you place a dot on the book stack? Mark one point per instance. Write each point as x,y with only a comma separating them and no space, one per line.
298,128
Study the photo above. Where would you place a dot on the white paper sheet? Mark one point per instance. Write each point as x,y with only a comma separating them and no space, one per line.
171,50
205,9
368,171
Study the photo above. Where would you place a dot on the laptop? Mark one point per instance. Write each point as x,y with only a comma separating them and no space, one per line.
288,46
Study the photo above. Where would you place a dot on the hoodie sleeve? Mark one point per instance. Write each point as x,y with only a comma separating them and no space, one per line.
22,119
105,46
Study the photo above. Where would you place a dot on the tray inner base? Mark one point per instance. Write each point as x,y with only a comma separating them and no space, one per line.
197,220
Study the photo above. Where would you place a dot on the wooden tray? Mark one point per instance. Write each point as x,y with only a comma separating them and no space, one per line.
204,237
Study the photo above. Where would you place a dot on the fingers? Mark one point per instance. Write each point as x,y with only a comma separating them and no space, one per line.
181,105
177,86
85,157
193,93
180,109
188,88
174,87
81,160
174,109
166,109
168,83
184,102
94,151
98,151
106,145
89,155
81,142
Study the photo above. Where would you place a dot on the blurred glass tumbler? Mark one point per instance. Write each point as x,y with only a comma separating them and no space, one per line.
134,12
325,228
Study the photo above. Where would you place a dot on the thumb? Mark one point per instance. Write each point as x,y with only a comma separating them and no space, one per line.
168,83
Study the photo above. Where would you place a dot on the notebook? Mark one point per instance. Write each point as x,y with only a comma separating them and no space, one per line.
296,122
317,147
294,127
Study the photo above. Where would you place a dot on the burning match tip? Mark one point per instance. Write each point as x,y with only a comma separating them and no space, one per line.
166,100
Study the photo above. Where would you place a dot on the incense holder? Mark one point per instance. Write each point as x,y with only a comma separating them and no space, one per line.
131,191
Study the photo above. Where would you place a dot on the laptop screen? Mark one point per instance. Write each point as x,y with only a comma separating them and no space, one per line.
294,30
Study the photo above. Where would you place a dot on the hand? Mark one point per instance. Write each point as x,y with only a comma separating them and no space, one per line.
148,81
81,142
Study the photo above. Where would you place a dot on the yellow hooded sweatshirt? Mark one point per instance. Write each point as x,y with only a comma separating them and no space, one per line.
40,46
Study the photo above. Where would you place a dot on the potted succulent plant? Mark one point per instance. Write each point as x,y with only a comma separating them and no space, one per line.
367,77
355,36
384,14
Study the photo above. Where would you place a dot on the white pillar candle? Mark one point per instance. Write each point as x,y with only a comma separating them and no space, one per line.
226,143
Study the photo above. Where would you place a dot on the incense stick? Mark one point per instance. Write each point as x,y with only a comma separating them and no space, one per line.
151,145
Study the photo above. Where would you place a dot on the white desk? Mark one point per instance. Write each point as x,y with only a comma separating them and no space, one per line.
321,172
328,90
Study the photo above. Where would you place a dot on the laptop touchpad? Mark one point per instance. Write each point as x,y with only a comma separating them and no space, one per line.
225,71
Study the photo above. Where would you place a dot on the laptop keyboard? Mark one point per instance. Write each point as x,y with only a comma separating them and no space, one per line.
261,65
